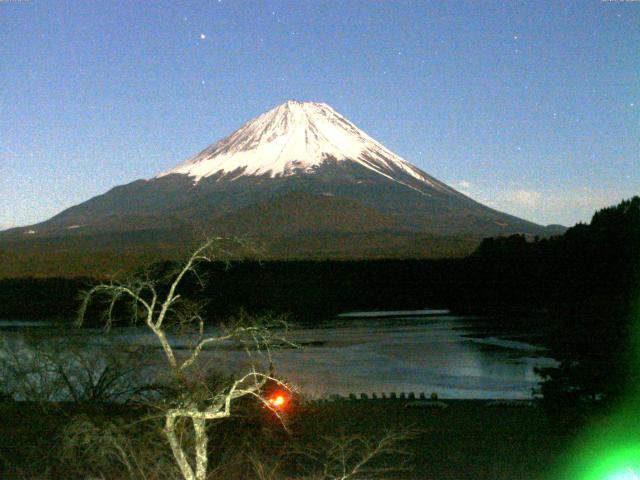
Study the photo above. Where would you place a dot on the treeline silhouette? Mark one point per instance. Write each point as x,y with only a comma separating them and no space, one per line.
590,269
589,280
310,291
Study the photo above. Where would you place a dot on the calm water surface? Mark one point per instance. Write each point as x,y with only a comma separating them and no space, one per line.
412,353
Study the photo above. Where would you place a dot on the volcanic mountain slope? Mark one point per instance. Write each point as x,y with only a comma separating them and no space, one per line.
298,168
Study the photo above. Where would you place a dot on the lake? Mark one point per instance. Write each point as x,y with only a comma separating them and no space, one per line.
367,352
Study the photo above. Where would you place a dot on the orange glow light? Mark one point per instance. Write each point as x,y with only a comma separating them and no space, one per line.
277,401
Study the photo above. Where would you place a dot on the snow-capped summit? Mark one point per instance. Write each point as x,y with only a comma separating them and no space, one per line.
296,137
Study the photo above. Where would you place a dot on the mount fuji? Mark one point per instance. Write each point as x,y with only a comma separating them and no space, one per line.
301,179
298,138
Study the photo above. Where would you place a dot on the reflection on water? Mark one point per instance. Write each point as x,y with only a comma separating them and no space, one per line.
408,354
411,355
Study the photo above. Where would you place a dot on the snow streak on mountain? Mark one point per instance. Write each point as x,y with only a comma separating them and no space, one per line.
293,138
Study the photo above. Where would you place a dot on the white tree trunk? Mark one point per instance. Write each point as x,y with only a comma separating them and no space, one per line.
176,448
201,439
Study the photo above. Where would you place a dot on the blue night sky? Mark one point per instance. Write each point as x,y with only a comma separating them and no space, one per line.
530,107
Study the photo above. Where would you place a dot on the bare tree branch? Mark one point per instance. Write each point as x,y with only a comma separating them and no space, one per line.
253,334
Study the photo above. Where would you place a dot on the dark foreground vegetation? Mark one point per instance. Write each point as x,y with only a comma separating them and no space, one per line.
467,440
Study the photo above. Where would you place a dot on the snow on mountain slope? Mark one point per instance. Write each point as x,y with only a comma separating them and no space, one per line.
297,137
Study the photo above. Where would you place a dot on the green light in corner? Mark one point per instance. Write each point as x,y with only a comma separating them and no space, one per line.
619,464
610,448
626,474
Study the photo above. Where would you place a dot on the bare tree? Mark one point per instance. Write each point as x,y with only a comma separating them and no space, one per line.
161,307
61,368
351,457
